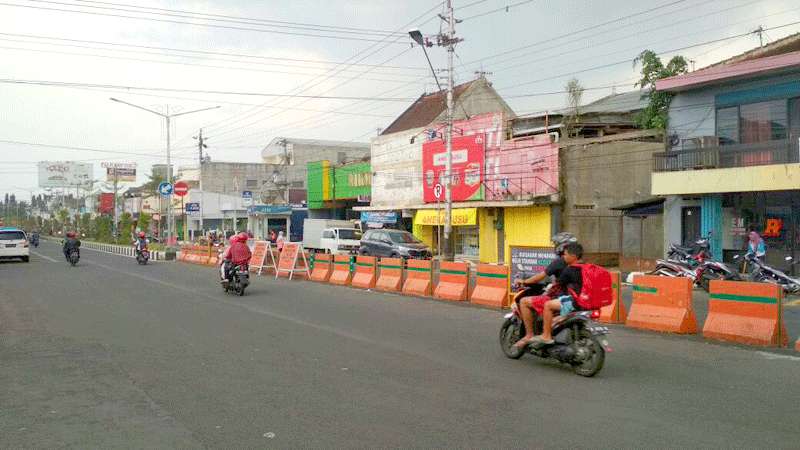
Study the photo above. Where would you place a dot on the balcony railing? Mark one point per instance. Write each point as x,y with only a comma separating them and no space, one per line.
739,155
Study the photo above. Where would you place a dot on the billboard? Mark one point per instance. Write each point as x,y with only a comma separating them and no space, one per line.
467,168
122,172
60,174
106,203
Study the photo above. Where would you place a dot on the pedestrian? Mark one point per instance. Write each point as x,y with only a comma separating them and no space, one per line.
279,241
756,246
272,236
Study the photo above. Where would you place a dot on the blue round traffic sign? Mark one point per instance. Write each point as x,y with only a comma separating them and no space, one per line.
165,188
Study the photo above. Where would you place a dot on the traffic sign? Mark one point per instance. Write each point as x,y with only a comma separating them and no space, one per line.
181,188
192,207
165,189
437,191
247,195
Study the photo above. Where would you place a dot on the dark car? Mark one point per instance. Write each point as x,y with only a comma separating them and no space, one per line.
394,244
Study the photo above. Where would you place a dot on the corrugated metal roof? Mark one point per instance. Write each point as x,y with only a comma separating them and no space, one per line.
425,109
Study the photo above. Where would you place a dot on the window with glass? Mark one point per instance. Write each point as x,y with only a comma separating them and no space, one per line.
466,241
728,125
753,122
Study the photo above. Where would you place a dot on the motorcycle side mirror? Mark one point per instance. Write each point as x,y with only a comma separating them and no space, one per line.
735,256
788,258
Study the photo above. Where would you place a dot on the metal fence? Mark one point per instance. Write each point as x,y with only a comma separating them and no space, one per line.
725,156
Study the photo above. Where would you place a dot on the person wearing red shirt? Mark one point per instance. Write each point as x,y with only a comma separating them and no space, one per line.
237,254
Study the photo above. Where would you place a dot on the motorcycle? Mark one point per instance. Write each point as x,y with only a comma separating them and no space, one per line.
73,257
142,256
238,281
579,341
694,263
762,273
35,240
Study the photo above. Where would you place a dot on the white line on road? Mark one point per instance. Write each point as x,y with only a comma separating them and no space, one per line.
44,257
769,355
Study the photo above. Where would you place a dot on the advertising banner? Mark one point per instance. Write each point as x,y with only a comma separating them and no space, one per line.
528,261
467,168
59,174
122,172
106,203
379,217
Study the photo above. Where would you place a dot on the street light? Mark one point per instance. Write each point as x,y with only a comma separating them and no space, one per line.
416,35
167,117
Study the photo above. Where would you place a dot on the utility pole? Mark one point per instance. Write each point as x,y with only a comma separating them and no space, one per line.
450,41
760,32
200,146
116,186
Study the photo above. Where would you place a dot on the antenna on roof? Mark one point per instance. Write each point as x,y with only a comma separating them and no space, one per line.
760,32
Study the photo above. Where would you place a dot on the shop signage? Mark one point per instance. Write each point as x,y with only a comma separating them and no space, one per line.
528,261
121,172
379,217
459,216
773,228
269,209
467,178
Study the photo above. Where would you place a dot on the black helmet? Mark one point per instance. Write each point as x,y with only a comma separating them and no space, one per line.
561,240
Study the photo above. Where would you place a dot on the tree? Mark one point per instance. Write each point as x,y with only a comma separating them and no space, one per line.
656,114
574,96
124,228
144,222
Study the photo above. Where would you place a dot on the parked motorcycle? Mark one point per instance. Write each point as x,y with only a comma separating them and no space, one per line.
239,280
579,341
763,273
695,263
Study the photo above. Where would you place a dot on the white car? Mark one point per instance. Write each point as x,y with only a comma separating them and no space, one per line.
14,244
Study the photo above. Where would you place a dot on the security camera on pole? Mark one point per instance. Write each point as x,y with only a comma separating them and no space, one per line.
448,40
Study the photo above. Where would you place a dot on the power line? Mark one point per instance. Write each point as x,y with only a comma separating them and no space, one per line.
69,147
503,8
205,25
205,52
196,91
271,21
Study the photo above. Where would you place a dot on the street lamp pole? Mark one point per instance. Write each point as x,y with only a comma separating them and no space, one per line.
167,117
448,40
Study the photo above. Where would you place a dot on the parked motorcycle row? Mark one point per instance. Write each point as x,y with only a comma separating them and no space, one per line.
695,263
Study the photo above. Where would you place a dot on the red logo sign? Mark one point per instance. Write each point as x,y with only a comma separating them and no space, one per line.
467,168
181,188
106,203
773,228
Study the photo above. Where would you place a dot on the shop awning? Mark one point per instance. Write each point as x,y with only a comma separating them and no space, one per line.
644,208
459,216
545,200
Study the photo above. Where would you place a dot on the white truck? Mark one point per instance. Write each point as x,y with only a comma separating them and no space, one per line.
331,236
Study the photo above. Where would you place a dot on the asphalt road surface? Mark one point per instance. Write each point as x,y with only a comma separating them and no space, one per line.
110,354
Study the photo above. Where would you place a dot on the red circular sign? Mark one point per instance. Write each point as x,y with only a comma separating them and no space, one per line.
181,188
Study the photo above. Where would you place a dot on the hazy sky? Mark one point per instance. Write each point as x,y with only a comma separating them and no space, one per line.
262,47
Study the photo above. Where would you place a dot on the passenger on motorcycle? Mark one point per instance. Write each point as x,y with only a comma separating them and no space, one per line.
531,302
238,253
571,281
71,242
141,242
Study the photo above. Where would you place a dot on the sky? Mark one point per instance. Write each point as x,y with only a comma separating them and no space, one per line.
312,69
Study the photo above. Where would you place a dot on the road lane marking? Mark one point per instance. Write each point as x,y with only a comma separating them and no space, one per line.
43,256
768,355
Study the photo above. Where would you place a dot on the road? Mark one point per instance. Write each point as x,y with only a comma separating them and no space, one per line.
114,355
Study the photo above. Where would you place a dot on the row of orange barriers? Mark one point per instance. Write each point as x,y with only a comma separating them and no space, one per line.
198,254
741,312
415,277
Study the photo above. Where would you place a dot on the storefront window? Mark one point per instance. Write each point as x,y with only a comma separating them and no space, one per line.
466,241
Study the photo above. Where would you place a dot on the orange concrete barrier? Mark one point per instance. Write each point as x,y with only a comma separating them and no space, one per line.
453,281
747,313
615,312
184,253
322,267
390,278
797,345
662,304
364,276
341,270
491,286
419,278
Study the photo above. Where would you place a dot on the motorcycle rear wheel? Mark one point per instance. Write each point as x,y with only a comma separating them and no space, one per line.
594,363
510,332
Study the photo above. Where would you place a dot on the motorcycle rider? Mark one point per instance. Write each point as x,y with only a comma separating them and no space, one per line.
71,242
571,281
529,302
140,243
236,254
